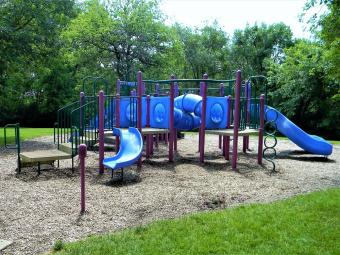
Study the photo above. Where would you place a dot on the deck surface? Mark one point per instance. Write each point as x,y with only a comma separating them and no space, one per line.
230,132
44,156
152,131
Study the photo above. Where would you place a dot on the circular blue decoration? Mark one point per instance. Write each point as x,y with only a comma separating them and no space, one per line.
159,112
216,113
129,114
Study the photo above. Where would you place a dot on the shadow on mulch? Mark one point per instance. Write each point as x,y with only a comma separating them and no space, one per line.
300,155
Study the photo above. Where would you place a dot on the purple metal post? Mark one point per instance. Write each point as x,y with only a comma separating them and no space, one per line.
157,89
148,125
176,90
203,117
118,87
139,107
101,131
171,121
248,106
81,114
236,118
82,151
143,89
201,88
260,145
246,138
227,138
199,130
117,120
221,95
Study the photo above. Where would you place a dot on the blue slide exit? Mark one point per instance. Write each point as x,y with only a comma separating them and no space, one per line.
130,150
311,143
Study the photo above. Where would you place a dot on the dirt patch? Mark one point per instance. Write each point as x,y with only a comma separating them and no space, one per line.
36,210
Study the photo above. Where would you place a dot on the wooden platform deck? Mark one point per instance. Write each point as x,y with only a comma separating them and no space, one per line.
154,131
230,132
44,156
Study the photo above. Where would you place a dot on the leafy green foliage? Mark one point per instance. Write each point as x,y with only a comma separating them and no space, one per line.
253,45
206,51
303,90
29,54
302,225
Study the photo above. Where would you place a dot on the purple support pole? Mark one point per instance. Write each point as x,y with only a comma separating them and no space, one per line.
260,145
157,89
81,114
236,118
101,131
82,151
171,121
248,107
246,138
143,88
139,107
117,120
227,138
201,88
176,89
148,125
221,95
118,87
203,117
199,130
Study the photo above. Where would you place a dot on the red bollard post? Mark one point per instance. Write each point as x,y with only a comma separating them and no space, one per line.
171,121
82,151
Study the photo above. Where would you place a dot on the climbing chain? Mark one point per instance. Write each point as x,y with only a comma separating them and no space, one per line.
270,140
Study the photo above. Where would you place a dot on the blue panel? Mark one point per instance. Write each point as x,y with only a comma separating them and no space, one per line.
159,112
128,112
216,114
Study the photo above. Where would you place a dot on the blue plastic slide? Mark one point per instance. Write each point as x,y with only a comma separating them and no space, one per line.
130,150
311,143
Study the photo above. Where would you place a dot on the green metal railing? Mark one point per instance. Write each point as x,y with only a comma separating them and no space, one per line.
15,146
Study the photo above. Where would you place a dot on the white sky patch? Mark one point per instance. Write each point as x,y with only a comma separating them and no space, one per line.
233,14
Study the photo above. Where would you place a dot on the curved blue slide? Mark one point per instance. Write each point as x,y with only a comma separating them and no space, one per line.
130,150
311,143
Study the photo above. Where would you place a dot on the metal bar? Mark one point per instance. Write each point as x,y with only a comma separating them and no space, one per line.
82,151
101,131
203,119
139,108
260,143
172,121
236,118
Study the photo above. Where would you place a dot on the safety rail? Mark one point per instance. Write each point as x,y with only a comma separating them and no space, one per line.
15,146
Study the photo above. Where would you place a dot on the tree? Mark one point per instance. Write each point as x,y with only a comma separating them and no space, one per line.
29,32
253,45
205,50
124,36
305,93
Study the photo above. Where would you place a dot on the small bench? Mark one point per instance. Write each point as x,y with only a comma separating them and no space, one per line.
43,156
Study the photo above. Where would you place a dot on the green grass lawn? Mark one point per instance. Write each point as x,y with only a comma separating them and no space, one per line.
307,224
25,133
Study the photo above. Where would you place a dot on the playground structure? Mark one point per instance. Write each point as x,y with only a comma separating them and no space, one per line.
148,111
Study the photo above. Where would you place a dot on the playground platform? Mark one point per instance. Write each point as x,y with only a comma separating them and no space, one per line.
230,132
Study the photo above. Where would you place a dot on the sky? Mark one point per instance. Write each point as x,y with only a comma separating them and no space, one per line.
235,14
